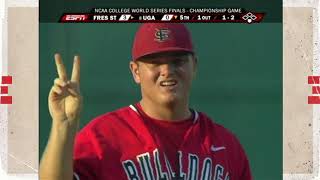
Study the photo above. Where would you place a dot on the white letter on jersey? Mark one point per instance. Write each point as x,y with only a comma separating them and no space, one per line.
130,170
172,175
181,173
206,169
227,177
145,164
193,167
160,174
218,173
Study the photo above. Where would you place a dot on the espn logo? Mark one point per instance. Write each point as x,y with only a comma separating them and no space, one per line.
74,17
4,90
315,81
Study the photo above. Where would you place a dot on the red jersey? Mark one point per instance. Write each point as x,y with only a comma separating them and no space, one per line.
127,144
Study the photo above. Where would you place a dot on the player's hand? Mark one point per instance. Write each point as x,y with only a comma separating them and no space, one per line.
65,101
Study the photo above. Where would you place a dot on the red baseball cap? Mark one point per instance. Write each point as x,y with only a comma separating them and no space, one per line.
161,37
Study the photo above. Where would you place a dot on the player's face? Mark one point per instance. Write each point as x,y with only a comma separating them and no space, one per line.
165,78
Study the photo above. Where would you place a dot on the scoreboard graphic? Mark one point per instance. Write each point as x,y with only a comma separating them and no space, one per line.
174,15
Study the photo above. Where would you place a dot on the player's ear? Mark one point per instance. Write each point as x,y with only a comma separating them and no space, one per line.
134,67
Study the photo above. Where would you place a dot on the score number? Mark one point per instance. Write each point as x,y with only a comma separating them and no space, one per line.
228,17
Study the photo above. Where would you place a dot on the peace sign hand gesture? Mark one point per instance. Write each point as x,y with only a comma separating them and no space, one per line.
65,101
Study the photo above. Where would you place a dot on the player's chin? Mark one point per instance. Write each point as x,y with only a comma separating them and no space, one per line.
171,98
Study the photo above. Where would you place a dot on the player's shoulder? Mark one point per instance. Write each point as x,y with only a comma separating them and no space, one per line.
109,119
217,130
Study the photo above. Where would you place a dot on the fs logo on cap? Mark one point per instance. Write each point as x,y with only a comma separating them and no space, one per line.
162,35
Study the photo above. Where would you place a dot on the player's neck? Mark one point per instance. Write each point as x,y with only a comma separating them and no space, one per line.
176,112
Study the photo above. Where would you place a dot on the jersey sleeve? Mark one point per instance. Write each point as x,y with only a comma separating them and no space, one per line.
86,161
244,169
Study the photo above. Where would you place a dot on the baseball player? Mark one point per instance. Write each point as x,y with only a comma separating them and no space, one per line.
158,138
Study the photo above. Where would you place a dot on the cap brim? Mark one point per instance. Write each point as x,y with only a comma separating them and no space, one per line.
170,49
